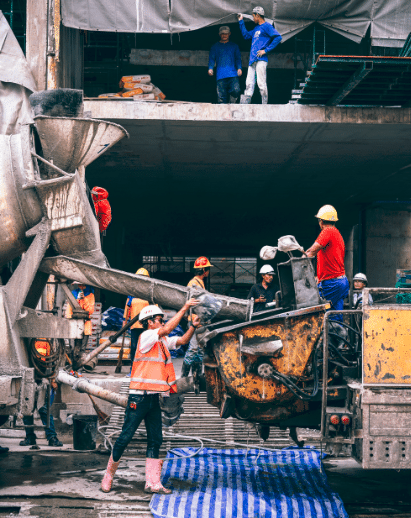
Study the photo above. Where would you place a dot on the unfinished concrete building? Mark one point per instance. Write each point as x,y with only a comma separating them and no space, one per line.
197,178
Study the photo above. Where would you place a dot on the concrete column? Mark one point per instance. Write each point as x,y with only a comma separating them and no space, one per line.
36,40
387,243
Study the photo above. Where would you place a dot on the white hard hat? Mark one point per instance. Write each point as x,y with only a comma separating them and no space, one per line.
267,268
258,10
149,312
360,277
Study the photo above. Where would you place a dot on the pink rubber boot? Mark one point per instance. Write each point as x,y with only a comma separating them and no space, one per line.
153,474
108,476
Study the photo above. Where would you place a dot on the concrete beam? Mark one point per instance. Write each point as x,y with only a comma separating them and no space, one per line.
199,58
180,111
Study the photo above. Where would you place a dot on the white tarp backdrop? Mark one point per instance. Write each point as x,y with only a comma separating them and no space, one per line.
390,20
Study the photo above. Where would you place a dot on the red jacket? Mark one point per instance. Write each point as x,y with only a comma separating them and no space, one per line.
102,206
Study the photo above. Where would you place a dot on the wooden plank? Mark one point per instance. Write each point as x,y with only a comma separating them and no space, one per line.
36,40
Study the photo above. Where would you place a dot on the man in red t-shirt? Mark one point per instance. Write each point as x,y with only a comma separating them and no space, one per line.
329,249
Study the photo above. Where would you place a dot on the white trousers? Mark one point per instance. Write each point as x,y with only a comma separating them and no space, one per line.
258,70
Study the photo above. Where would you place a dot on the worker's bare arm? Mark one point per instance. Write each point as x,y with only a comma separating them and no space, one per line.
183,340
313,251
173,322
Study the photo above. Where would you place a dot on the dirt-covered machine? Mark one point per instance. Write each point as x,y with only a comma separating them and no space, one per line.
290,366
48,222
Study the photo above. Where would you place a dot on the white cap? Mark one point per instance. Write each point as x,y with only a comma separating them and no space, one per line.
267,268
149,312
224,28
259,10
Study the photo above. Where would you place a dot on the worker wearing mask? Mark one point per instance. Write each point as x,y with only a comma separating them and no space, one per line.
263,292
264,38
133,308
152,375
329,248
193,359
226,56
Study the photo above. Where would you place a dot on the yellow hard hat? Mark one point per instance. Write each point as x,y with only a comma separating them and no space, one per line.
142,271
327,213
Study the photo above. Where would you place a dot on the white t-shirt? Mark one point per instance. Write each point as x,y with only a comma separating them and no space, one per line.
147,340
150,337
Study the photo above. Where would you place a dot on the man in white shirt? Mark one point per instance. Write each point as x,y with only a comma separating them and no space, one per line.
152,374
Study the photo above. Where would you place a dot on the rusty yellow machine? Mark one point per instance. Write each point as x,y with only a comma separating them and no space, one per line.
290,366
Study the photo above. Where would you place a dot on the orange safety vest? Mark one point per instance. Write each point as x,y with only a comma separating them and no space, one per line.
153,371
88,305
196,282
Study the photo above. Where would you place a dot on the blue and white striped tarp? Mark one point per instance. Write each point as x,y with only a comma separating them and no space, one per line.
241,484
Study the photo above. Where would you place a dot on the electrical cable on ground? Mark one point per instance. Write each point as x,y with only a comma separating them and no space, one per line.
201,440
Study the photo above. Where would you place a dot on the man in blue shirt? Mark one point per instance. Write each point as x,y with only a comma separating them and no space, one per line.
227,57
264,39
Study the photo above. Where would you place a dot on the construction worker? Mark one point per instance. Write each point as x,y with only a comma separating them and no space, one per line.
329,248
132,309
152,375
226,56
43,348
102,207
193,359
264,291
264,38
86,300
360,282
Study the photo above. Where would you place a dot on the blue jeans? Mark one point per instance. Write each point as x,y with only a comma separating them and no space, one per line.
335,290
28,420
148,408
226,87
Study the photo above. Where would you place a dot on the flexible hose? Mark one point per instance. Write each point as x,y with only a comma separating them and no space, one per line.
201,440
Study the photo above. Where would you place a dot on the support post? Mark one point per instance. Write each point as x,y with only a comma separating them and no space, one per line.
36,40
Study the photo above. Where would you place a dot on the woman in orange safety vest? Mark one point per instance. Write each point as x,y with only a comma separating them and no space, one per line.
152,374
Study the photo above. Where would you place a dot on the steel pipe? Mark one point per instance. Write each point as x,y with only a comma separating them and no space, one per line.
84,385
104,345
155,291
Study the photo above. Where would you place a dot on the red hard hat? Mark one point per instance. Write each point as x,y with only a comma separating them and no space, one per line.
202,262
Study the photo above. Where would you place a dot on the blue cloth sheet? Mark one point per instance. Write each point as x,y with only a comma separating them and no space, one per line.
236,484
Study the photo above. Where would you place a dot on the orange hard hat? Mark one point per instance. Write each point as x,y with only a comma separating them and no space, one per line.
202,262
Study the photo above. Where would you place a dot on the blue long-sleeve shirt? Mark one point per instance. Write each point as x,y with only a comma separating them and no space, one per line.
264,37
227,57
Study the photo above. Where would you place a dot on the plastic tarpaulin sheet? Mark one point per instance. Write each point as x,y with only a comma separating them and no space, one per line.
240,484
390,20
16,83
116,15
